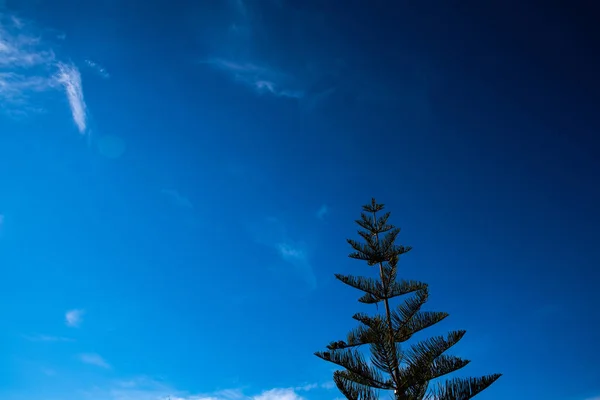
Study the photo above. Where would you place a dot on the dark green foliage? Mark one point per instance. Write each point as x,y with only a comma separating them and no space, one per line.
407,370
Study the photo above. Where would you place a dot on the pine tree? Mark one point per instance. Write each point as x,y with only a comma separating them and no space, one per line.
407,370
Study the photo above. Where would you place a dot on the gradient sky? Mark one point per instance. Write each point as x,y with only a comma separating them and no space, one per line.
177,181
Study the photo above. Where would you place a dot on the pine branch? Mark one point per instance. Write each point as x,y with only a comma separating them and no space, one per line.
351,389
382,355
373,207
376,322
366,253
463,388
419,321
416,392
444,365
368,285
401,288
421,359
426,351
374,290
407,310
354,362
358,336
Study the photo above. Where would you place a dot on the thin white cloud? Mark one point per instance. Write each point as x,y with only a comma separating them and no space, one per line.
18,22
94,359
288,252
322,211
312,101
278,394
272,233
307,387
177,199
19,50
47,338
261,78
240,6
24,64
70,78
48,371
74,318
99,69
236,57
147,389
16,88
312,386
29,67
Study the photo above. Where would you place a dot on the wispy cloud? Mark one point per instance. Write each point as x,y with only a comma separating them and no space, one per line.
177,199
322,211
48,371
307,387
99,69
24,64
240,6
29,67
94,359
261,78
312,386
148,389
70,78
250,47
47,338
237,57
278,394
272,232
290,253
20,50
74,318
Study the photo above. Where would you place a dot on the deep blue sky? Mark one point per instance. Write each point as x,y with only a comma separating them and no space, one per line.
177,180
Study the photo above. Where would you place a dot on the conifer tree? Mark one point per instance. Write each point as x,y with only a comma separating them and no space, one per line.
406,369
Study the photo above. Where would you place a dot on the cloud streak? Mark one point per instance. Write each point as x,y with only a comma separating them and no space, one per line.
29,67
99,69
237,57
24,64
74,318
278,394
70,78
178,199
272,233
290,253
94,359
312,386
149,389
48,338
322,211
258,77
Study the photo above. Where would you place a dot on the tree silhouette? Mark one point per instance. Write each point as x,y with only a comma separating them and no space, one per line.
407,370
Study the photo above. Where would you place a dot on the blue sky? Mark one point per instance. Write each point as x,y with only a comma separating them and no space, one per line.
177,180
